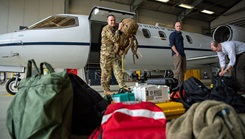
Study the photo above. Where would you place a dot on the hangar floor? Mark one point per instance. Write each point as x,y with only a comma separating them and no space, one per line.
5,100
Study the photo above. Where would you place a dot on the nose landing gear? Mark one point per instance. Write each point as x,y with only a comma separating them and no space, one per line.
12,84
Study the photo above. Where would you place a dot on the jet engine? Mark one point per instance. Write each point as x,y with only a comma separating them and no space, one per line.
229,33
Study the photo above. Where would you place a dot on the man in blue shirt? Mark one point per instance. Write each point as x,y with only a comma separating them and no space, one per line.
235,51
177,46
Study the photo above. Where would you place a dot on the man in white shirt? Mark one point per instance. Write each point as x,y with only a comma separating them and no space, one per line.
235,51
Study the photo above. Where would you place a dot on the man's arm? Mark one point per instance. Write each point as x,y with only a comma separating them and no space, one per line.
221,56
112,36
175,50
232,56
172,44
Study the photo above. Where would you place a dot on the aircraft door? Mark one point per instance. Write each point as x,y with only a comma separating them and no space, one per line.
17,37
100,13
97,19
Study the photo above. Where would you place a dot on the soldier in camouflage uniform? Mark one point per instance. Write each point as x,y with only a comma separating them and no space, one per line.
108,59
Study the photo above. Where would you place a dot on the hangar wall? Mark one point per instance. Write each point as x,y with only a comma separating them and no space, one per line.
16,13
233,16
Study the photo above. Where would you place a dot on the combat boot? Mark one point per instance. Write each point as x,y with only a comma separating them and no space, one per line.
126,88
108,93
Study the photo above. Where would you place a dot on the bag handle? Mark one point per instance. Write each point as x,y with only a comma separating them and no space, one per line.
29,68
48,66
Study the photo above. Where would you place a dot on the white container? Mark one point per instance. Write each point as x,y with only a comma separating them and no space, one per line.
151,93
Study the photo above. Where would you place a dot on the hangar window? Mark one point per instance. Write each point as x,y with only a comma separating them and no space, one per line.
146,33
56,22
189,39
162,35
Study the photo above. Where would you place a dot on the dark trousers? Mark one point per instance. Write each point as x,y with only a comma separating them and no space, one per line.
240,71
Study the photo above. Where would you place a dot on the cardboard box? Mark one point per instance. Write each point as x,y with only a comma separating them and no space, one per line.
151,93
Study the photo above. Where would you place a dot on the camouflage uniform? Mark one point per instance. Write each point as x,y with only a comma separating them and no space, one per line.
108,59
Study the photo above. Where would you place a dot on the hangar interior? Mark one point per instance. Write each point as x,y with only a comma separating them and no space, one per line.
17,14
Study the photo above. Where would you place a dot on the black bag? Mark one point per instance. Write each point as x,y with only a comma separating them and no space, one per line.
224,90
228,81
88,107
190,92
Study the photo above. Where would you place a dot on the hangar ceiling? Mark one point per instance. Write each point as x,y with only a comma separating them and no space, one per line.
219,7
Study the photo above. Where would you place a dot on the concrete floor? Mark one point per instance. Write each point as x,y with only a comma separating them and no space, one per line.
5,100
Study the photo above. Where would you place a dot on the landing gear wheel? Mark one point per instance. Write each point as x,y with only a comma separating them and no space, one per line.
10,86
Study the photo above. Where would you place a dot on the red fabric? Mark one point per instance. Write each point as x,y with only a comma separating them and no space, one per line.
74,71
142,120
96,133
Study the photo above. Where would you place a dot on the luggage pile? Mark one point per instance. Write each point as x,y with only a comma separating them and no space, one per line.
62,105
224,89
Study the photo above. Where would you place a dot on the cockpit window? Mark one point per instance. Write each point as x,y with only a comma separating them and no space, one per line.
162,35
189,39
56,22
146,33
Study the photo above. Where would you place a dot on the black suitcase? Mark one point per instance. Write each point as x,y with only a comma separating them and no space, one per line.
170,82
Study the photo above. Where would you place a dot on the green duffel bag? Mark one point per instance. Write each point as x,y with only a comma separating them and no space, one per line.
42,107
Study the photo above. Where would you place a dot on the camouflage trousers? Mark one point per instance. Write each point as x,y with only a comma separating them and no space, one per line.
107,64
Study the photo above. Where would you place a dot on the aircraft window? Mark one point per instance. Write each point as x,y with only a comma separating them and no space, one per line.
56,22
162,35
189,39
146,33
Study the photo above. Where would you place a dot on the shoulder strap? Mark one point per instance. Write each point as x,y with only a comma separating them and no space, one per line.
29,68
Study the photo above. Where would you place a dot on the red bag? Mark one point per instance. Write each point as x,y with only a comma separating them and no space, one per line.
142,120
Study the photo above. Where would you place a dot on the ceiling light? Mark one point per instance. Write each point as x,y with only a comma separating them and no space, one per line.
163,1
96,11
186,6
207,12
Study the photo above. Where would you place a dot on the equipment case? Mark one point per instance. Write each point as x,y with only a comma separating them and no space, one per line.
172,109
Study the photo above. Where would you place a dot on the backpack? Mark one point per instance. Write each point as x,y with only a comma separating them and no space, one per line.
224,89
140,120
42,107
88,107
190,92
228,81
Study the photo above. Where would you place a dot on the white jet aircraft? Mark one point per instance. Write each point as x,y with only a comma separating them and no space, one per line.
69,41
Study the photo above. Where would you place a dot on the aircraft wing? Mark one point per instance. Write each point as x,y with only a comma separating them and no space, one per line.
203,61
